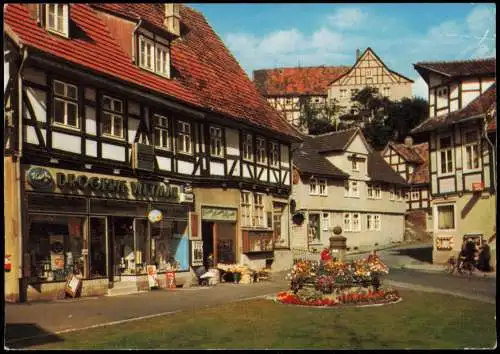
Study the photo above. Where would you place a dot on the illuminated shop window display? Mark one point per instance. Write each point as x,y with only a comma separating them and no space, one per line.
170,249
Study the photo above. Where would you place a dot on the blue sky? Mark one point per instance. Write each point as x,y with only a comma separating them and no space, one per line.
262,35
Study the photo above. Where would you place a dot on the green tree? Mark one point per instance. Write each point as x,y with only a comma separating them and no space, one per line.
319,118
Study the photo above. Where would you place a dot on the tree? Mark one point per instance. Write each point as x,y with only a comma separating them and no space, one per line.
319,118
405,115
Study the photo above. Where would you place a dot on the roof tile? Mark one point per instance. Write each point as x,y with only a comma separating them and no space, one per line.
461,67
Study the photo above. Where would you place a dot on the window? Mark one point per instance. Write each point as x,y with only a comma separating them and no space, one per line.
325,221
354,92
415,195
343,93
112,117
184,137
369,222
407,195
313,186
442,92
368,73
369,191
259,210
446,155
351,189
248,147
356,225
216,141
162,60
246,208
347,222
57,18
154,56
378,192
387,91
392,194
354,164
323,187
471,146
66,105
446,217
352,222
400,195
261,150
161,132
274,155
376,222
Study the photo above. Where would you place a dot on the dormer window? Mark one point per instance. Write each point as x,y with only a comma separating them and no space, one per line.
154,56
57,19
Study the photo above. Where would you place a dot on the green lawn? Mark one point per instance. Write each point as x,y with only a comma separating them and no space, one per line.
421,320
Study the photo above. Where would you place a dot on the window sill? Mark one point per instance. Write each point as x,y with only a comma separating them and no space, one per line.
114,137
185,153
479,169
67,127
57,33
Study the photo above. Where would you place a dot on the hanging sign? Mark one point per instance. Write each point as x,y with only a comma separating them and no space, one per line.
154,216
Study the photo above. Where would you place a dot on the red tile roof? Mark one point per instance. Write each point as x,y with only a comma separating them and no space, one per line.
208,76
408,153
460,67
421,173
297,81
478,107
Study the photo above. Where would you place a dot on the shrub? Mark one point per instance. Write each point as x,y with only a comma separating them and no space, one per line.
337,230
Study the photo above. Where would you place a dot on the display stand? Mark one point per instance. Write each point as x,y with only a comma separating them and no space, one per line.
73,285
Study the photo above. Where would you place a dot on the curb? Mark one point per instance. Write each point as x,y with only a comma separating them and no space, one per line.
475,274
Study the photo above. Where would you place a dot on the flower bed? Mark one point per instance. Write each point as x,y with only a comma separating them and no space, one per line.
333,283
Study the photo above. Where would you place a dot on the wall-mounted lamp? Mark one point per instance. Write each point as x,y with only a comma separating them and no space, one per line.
88,166
116,171
54,160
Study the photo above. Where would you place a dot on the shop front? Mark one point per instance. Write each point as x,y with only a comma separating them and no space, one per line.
95,227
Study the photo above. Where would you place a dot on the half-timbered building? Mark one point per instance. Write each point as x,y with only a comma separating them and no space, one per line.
411,161
289,89
117,112
461,130
339,180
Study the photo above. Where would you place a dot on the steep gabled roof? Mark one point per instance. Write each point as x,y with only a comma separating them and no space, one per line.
408,153
357,61
380,171
207,76
313,80
450,69
421,173
475,109
336,141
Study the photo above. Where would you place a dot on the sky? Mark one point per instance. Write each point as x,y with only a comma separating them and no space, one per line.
272,35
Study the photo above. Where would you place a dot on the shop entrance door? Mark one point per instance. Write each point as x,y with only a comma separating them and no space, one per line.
207,232
122,247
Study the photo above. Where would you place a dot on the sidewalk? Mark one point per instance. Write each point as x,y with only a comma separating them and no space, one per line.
438,268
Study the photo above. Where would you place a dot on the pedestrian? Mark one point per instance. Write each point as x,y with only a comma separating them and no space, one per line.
325,255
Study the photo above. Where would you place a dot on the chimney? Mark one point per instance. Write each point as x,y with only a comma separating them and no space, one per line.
409,141
358,54
172,18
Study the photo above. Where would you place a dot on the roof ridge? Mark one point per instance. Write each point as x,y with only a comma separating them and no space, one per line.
334,132
304,67
455,61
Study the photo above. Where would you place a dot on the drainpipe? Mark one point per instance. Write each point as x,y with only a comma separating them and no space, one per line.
134,59
492,151
22,279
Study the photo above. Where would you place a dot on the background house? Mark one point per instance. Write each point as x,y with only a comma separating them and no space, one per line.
461,131
340,181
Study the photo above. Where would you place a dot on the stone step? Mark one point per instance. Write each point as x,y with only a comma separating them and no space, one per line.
123,288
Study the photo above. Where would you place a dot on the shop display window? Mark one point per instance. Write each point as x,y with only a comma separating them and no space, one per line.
141,245
170,245
55,246
123,246
97,252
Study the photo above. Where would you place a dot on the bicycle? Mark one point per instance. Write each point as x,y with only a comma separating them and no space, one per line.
461,266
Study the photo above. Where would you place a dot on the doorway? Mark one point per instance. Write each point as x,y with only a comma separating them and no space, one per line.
313,228
207,232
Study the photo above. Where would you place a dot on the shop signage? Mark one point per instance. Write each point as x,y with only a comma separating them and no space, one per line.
218,214
40,178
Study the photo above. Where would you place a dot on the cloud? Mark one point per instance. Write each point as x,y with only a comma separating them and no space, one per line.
347,17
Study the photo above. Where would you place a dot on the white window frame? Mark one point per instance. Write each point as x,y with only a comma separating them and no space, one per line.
216,148
446,150
162,65
387,91
347,226
143,55
114,115
356,227
323,187
369,222
64,8
352,193
470,145
392,194
399,194
185,136
313,186
377,191
377,222
415,195
246,208
66,100
370,191
274,154
260,151
248,147
343,93
259,219
325,221
407,196
161,128
354,164
436,217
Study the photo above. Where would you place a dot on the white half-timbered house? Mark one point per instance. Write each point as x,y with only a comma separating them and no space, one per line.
461,132
117,112
339,180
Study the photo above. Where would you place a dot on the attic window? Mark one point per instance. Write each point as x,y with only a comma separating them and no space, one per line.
56,18
154,56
